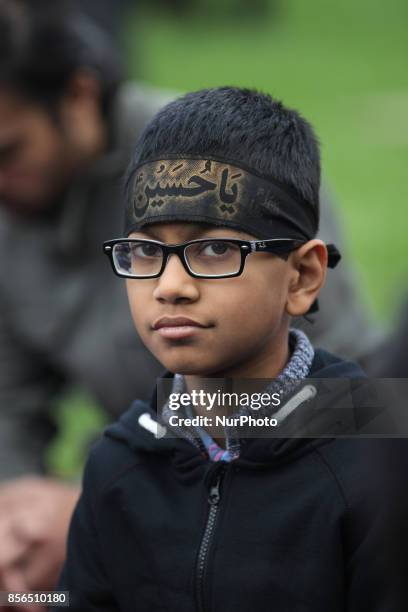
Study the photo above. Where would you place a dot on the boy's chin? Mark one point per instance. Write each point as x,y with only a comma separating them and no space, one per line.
189,370
194,360
190,367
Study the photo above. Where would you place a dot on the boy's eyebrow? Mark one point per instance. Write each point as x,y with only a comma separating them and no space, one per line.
149,233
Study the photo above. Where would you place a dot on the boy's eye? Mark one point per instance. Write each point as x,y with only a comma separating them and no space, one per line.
214,257
214,249
145,250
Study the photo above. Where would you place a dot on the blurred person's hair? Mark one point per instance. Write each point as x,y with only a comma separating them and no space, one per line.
44,43
240,125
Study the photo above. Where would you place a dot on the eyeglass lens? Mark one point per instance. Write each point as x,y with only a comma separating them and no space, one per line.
210,258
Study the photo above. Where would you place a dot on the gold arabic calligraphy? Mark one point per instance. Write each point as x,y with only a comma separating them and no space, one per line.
193,186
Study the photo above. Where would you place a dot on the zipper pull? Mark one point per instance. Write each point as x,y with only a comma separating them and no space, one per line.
214,496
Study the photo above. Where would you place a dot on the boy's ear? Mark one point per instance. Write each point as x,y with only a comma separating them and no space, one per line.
307,276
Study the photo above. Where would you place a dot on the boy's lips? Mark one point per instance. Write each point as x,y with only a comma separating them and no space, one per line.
177,327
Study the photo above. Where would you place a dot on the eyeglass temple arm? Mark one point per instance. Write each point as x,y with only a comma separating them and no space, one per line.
271,246
334,255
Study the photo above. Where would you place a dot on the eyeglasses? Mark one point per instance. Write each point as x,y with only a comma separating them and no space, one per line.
203,258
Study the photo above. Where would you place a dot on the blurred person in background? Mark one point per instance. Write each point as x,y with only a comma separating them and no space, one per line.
107,13
67,123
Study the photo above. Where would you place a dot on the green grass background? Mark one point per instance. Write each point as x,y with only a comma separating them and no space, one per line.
344,66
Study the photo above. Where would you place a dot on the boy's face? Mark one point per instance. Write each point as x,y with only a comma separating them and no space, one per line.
241,322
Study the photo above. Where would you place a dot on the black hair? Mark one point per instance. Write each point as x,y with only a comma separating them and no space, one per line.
43,44
239,125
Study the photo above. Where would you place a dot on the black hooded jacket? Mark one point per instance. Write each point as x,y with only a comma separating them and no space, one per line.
296,524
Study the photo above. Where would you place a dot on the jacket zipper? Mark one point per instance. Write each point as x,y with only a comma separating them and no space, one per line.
214,501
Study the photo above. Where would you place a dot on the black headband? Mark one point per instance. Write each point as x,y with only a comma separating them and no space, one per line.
218,192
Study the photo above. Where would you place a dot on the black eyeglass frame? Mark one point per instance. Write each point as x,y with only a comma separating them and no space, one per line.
276,246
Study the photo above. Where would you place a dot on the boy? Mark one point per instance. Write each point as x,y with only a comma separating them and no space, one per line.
219,254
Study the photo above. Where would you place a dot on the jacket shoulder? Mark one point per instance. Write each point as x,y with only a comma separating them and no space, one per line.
366,469
109,458
327,365
123,445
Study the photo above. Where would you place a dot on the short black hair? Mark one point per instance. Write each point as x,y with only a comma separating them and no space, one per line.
241,125
42,45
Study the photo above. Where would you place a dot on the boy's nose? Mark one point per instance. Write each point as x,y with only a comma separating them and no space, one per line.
176,283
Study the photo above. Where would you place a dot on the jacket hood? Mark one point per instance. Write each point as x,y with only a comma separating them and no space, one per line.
335,400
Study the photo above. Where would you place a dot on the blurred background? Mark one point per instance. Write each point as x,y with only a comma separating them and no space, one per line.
343,65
